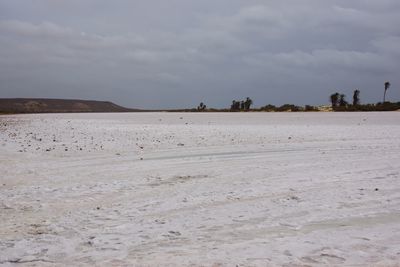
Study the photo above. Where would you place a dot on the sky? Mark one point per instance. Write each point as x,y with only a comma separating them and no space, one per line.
177,53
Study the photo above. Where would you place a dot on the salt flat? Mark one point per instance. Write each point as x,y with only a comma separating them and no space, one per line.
209,189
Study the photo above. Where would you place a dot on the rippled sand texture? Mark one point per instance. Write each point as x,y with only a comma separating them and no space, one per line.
174,189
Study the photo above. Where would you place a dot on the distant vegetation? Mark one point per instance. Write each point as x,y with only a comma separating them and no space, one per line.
243,105
338,103
387,106
201,107
387,85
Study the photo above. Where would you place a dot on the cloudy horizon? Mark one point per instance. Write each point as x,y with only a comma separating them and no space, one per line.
177,53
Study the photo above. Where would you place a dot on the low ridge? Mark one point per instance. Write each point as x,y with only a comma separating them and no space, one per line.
43,105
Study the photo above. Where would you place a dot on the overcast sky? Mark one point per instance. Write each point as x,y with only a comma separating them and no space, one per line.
176,53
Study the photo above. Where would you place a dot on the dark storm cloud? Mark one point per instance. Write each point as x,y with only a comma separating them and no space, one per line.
177,53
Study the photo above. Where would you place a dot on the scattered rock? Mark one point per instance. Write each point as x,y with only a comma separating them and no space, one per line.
287,253
174,233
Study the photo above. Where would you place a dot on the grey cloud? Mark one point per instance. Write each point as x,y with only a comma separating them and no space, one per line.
175,54
321,59
388,45
42,30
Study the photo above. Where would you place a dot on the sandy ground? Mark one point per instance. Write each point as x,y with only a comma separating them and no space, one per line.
157,189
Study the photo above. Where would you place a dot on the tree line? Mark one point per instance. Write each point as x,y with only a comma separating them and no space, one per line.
338,103
339,100
243,105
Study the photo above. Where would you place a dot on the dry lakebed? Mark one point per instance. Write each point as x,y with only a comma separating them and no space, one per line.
200,189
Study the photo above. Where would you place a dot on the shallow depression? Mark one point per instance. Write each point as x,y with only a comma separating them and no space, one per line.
169,189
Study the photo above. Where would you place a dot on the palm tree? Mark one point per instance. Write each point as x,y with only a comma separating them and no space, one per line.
356,97
248,103
387,85
335,99
235,105
342,100
242,105
201,107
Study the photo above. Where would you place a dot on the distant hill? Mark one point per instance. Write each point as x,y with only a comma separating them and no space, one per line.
38,105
